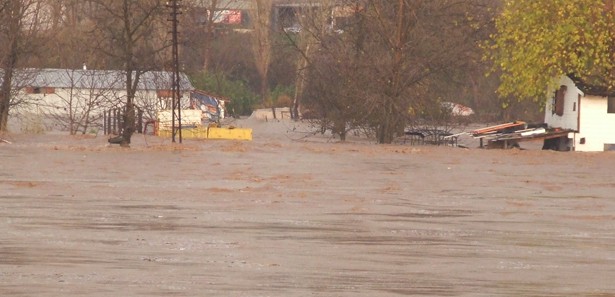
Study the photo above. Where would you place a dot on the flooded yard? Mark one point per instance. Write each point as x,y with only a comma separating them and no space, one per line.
278,217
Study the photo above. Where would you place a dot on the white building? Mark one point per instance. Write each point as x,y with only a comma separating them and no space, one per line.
69,99
587,110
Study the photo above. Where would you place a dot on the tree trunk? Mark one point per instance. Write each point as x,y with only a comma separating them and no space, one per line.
5,99
392,118
261,44
9,62
388,126
300,82
265,94
6,87
339,128
129,109
129,123
86,123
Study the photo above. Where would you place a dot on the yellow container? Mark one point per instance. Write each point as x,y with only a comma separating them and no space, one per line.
228,133
187,133
212,133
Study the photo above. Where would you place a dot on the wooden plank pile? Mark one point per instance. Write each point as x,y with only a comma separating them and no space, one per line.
509,135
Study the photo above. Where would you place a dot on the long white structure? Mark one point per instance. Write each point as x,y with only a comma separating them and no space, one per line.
65,96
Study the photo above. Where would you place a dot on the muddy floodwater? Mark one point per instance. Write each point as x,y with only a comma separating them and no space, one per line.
282,216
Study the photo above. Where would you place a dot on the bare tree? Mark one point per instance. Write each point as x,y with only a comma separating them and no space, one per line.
261,44
346,104
9,58
130,35
206,25
300,80
384,57
314,23
213,12
72,27
209,33
20,27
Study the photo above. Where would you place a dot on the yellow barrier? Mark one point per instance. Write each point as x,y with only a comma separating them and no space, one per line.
212,133
226,133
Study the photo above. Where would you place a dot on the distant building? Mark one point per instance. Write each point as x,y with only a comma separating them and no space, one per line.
55,94
285,14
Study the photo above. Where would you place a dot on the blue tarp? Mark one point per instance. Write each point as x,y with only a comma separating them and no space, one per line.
210,105
203,99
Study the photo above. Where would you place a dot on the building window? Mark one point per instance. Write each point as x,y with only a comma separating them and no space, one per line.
611,104
164,93
558,107
165,98
40,90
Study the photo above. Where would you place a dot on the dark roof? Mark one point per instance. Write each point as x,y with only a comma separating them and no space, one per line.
95,79
591,89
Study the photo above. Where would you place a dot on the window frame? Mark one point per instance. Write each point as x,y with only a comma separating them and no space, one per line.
610,104
559,100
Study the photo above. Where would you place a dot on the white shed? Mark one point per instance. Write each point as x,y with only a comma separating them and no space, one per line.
587,110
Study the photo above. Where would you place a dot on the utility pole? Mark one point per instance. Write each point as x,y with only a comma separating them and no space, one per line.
176,97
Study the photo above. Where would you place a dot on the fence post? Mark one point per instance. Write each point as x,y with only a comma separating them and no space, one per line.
117,122
140,120
108,122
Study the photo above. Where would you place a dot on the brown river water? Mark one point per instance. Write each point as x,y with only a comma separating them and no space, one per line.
281,217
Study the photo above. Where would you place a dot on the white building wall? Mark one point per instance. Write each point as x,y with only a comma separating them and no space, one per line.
46,108
569,120
597,126
52,111
145,99
63,99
